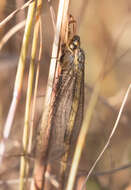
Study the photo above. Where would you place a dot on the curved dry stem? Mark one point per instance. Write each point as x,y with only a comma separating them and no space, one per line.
7,19
11,32
111,135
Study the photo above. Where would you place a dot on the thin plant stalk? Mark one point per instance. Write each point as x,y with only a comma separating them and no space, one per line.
24,162
35,91
53,16
10,16
82,137
111,134
45,128
11,32
64,29
35,95
19,78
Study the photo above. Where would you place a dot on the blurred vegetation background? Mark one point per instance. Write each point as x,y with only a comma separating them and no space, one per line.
105,31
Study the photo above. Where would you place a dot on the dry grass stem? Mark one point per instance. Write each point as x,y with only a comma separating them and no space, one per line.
11,32
35,91
7,19
82,137
111,135
19,78
53,17
24,168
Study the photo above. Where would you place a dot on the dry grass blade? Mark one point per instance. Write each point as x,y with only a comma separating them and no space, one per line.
14,13
53,17
19,78
64,32
24,169
11,32
111,135
82,137
35,91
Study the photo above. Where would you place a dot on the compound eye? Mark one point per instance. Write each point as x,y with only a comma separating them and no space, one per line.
76,43
72,46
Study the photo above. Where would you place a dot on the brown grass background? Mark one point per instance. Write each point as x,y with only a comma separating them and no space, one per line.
105,31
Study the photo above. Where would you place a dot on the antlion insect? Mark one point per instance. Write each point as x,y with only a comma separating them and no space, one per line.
68,104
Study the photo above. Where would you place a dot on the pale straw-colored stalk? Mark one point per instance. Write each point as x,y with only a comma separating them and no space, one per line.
10,16
19,79
24,167
111,134
82,137
11,32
